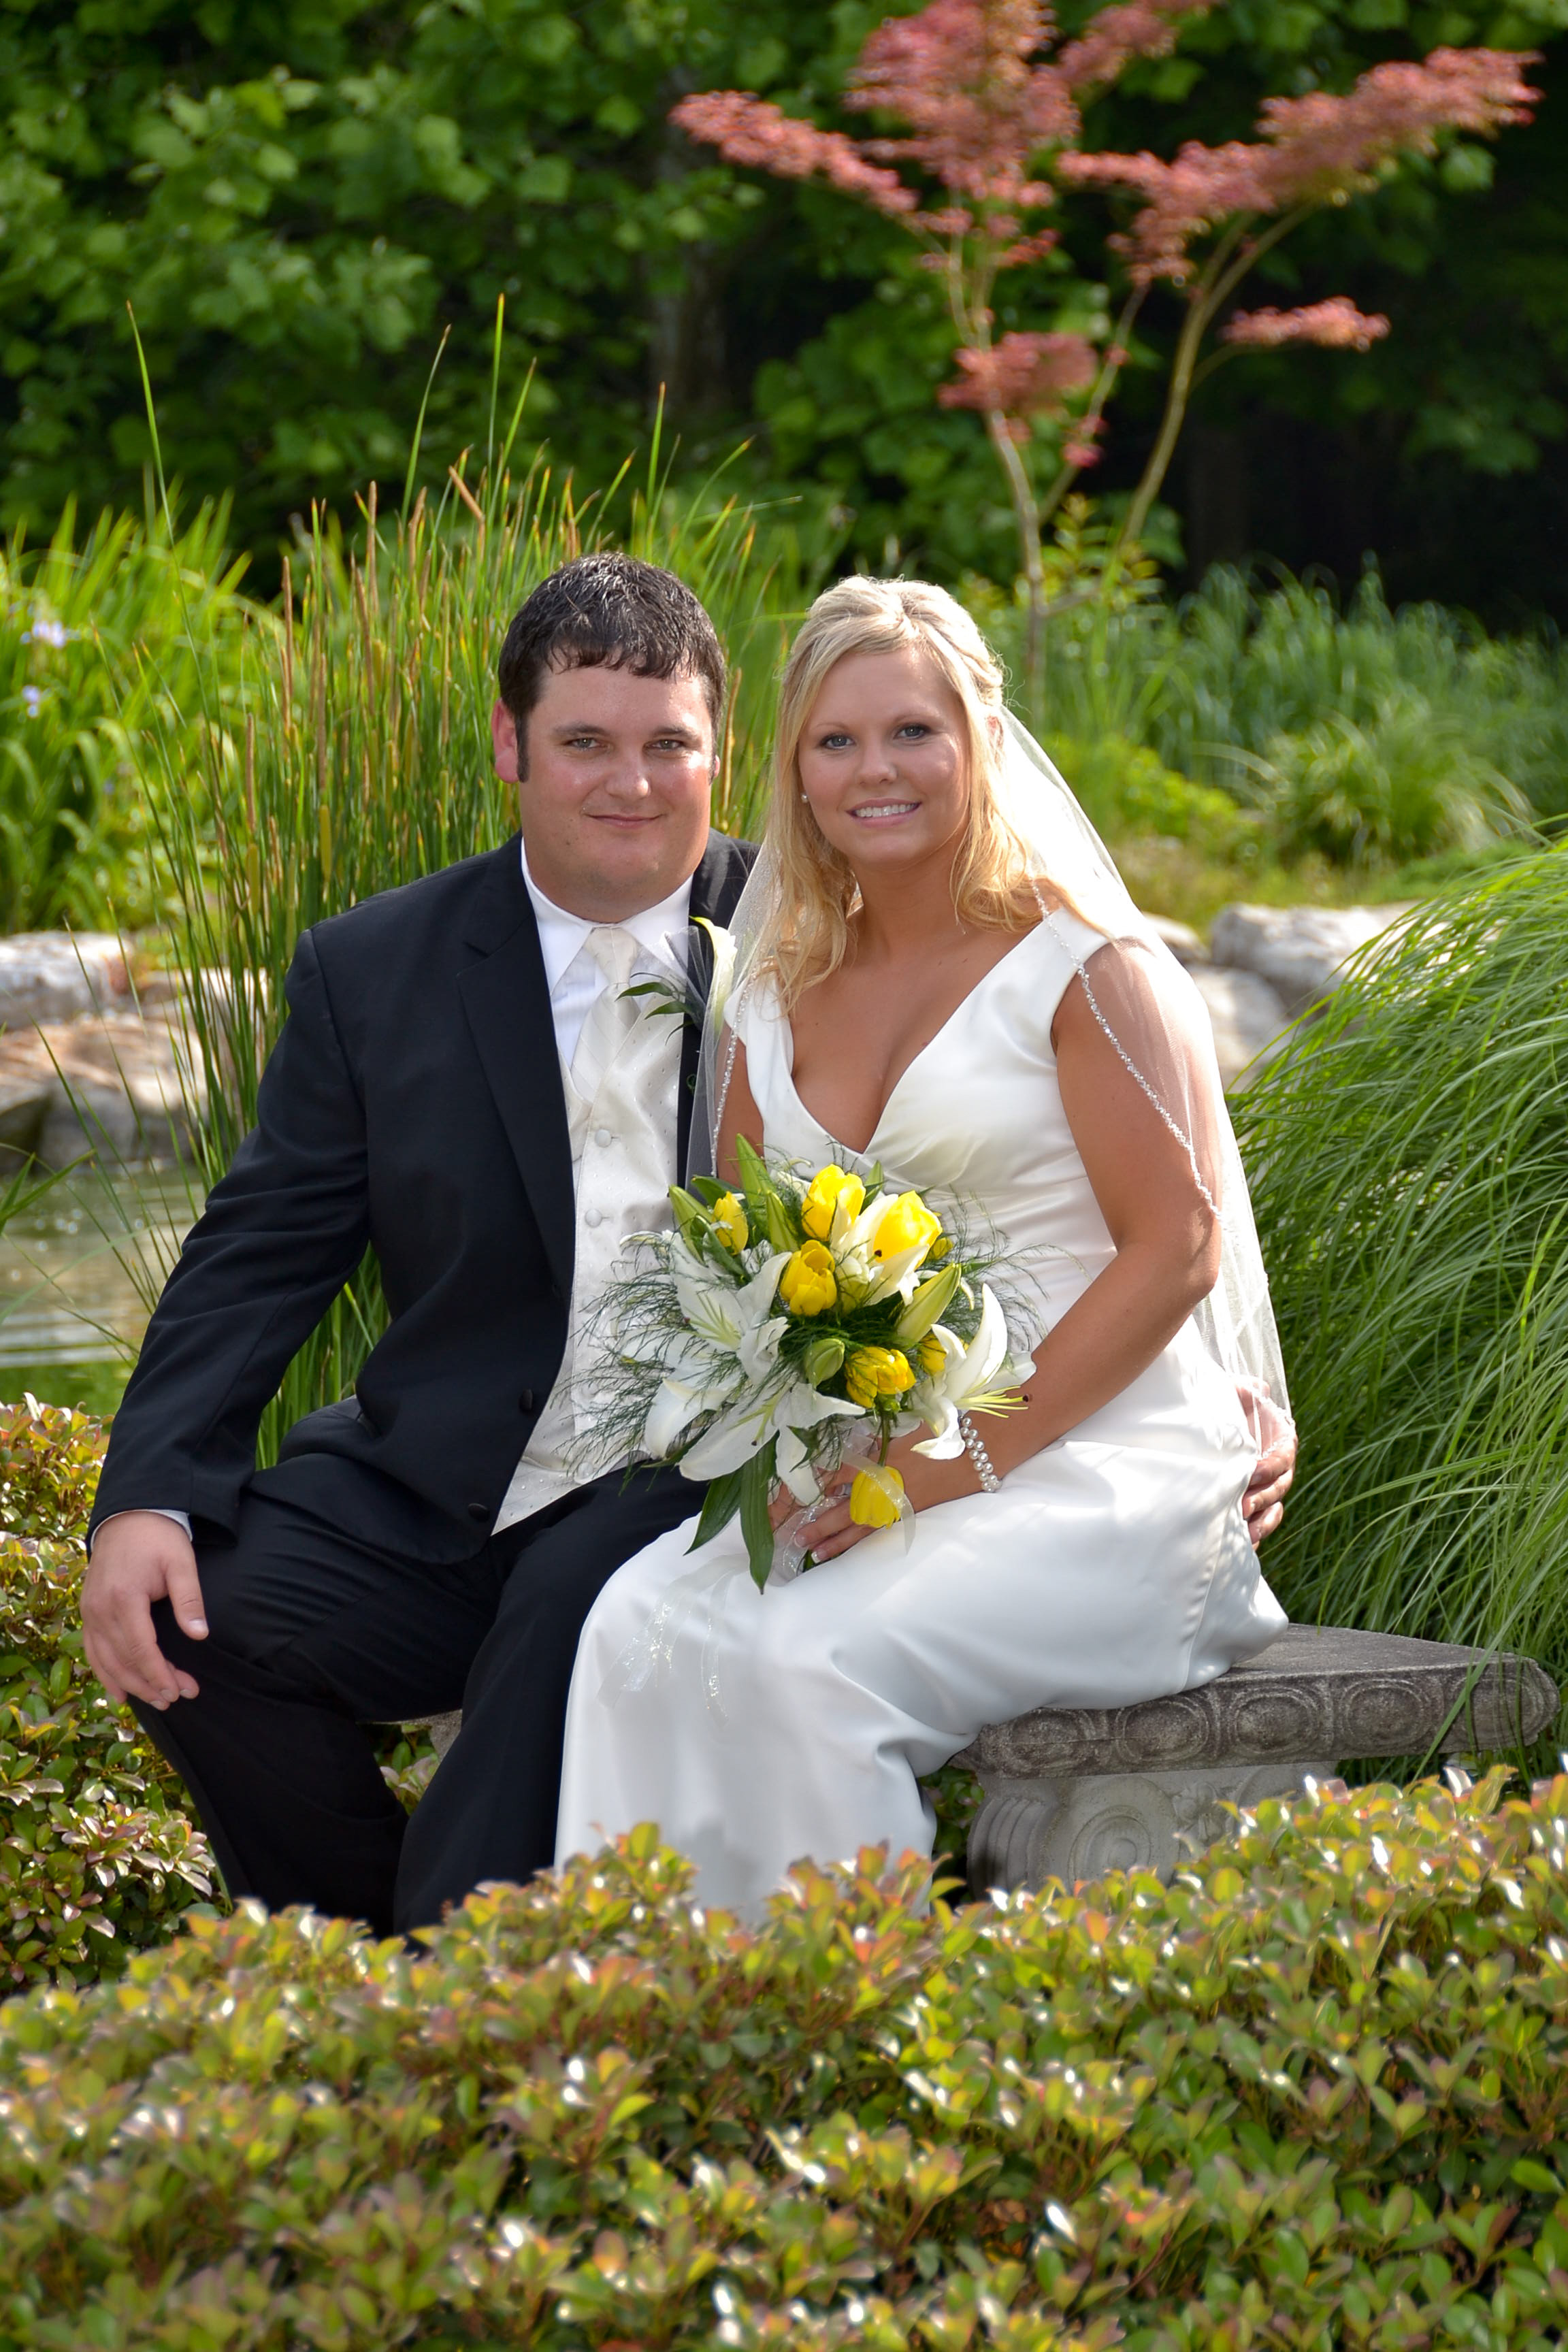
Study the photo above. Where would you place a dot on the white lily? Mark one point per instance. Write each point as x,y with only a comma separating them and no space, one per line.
723,944
733,1341
749,1424
967,1373
680,1400
734,1319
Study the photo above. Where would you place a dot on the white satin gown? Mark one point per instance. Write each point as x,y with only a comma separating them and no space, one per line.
1113,1566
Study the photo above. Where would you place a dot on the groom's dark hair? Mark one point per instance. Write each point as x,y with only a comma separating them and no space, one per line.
612,612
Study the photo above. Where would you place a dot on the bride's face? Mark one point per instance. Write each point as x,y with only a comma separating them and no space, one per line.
884,758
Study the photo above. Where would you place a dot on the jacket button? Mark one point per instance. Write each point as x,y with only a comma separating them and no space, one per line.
477,1511
525,1401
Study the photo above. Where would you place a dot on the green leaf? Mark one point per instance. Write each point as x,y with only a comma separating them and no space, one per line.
756,1493
1527,2174
719,1505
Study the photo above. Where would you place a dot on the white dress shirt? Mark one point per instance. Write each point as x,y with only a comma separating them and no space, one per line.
634,1128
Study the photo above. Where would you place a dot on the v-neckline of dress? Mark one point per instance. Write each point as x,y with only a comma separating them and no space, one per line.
860,1152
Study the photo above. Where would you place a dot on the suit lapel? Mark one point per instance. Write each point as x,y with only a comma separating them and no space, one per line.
716,889
507,1003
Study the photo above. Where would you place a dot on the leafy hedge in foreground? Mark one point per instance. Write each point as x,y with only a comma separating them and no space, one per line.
1313,2094
96,1858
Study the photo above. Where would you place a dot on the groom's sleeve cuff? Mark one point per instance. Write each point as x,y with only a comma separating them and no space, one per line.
181,1519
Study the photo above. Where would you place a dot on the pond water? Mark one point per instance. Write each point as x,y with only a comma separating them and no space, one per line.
79,1269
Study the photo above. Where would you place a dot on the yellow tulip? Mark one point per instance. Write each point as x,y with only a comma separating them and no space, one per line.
830,1188
875,1498
807,1284
730,1222
905,1225
931,1355
873,1372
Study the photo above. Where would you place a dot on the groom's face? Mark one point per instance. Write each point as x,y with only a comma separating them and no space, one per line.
612,780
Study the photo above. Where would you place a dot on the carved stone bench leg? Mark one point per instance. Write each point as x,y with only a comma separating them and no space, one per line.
1078,1828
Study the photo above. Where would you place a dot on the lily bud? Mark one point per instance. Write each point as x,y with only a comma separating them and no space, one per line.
780,1231
929,1305
689,1215
821,1359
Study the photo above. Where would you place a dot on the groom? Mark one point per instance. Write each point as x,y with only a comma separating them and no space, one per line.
463,1085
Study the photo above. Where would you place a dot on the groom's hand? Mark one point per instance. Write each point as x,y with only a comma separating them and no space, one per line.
138,1557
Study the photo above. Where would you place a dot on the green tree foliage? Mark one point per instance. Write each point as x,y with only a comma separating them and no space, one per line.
298,200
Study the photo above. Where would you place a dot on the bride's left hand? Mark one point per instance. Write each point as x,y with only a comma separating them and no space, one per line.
925,1482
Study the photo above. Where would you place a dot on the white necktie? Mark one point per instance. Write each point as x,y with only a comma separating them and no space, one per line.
613,1014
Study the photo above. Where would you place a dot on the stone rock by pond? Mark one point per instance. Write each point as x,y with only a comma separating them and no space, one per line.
60,976
1299,951
1247,1015
108,1084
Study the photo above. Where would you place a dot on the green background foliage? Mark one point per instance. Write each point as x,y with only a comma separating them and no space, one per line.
299,200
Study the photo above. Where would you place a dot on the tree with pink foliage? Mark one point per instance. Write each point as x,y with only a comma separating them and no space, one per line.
990,102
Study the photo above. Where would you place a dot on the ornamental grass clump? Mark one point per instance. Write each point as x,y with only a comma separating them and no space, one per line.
1313,2094
1409,1164
97,1860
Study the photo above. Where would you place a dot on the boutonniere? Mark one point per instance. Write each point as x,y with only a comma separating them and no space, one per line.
680,997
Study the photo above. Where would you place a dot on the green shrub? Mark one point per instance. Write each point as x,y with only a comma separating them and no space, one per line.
96,1858
1248,667
1409,1159
1408,781
1313,2095
1127,789
99,645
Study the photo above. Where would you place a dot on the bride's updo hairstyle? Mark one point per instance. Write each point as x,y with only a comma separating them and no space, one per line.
817,888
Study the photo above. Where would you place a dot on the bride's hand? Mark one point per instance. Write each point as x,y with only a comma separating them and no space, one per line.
925,1482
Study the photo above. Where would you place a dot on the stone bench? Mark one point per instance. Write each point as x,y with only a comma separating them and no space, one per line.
1073,1792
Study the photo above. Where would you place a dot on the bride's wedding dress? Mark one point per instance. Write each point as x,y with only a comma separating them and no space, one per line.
1113,1566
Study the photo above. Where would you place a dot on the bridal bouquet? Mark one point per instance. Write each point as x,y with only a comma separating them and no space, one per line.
786,1328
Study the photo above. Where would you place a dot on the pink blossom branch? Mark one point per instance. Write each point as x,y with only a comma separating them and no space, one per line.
1314,150
1110,42
748,129
959,74
1336,324
1023,376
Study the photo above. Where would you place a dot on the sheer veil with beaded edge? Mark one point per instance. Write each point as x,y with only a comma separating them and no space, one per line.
1149,1009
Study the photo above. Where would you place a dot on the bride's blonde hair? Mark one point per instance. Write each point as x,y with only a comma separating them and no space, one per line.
817,893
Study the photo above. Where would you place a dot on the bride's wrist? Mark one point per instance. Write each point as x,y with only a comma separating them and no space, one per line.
988,1478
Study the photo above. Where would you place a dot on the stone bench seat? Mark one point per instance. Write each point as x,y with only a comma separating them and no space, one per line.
1073,1792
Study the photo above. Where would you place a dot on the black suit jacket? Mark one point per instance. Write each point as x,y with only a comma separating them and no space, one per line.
411,1103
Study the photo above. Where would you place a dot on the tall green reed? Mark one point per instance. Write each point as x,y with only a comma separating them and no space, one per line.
363,760
1409,1156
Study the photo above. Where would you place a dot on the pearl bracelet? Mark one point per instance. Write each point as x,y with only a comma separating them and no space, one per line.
985,1470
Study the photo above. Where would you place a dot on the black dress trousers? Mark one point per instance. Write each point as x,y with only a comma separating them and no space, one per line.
315,1634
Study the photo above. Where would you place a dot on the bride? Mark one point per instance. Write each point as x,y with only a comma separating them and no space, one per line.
938,970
